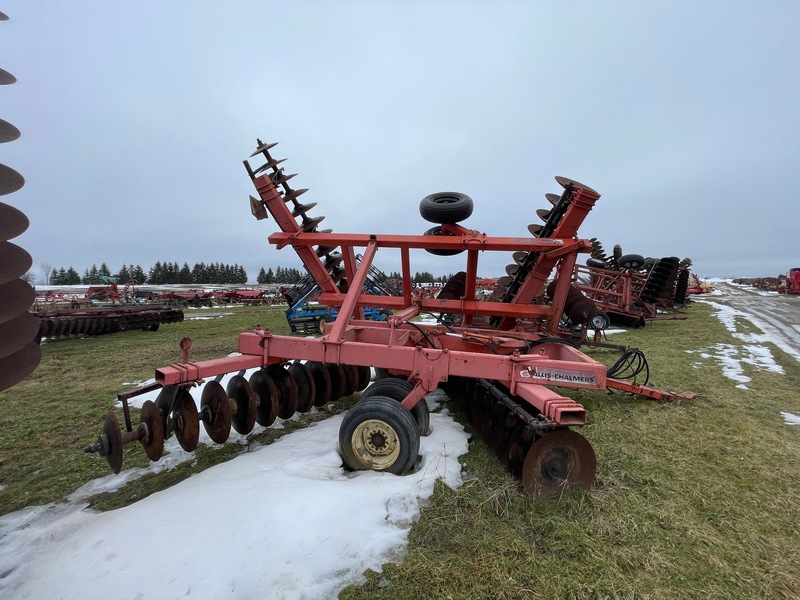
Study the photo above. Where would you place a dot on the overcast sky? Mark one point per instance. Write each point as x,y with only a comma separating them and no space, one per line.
135,119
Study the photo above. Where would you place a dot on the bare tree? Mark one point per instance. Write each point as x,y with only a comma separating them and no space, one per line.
28,278
47,268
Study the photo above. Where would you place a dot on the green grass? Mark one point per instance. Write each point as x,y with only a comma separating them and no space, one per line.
696,499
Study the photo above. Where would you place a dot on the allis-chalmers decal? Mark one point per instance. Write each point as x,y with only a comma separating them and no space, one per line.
554,375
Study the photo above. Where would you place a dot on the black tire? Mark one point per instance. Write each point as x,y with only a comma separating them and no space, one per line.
379,434
445,207
595,263
398,389
439,251
631,261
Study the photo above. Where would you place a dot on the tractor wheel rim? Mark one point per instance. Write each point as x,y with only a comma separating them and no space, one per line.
376,444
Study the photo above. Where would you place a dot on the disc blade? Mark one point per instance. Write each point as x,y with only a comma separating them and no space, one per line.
535,229
8,133
14,262
519,257
18,366
263,146
17,333
152,419
216,411
566,181
511,270
112,447
287,391
558,462
322,382
6,78
305,386
10,180
16,296
245,404
553,198
543,214
187,421
268,397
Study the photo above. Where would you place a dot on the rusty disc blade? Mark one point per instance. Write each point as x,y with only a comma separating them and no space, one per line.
511,270
245,403
16,297
14,262
152,420
18,332
535,229
558,462
553,198
263,146
3,16
311,224
565,181
6,78
216,410
338,381
268,397
543,214
351,379
287,391
187,421
10,180
519,257
322,382
305,386
111,439
13,222
364,377
16,367
8,133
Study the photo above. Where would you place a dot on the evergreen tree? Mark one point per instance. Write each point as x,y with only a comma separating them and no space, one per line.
137,273
123,275
72,277
104,271
185,274
270,276
262,276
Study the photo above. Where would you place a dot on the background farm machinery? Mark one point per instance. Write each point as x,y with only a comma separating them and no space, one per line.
498,358
630,290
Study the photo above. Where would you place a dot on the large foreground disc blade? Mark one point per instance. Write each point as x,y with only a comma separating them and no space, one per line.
246,402
16,367
14,262
13,222
16,333
268,397
10,180
16,296
216,409
187,421
558,462
8,133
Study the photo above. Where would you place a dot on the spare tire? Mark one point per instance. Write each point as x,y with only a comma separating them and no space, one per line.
631,261
445,207
440,251
596,263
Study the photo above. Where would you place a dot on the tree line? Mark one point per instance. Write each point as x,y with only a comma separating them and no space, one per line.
201,273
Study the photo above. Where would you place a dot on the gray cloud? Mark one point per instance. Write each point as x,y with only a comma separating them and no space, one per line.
135,119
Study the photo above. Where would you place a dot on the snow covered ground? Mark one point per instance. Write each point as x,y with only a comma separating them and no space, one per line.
279,521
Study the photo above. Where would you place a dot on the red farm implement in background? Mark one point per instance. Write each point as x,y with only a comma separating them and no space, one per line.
629,289
498,358
792,283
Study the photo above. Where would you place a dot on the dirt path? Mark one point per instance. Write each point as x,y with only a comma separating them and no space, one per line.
776,315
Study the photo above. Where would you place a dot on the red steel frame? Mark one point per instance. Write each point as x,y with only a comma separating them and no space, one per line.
518,353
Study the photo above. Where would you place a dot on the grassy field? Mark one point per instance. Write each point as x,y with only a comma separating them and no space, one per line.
698,499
